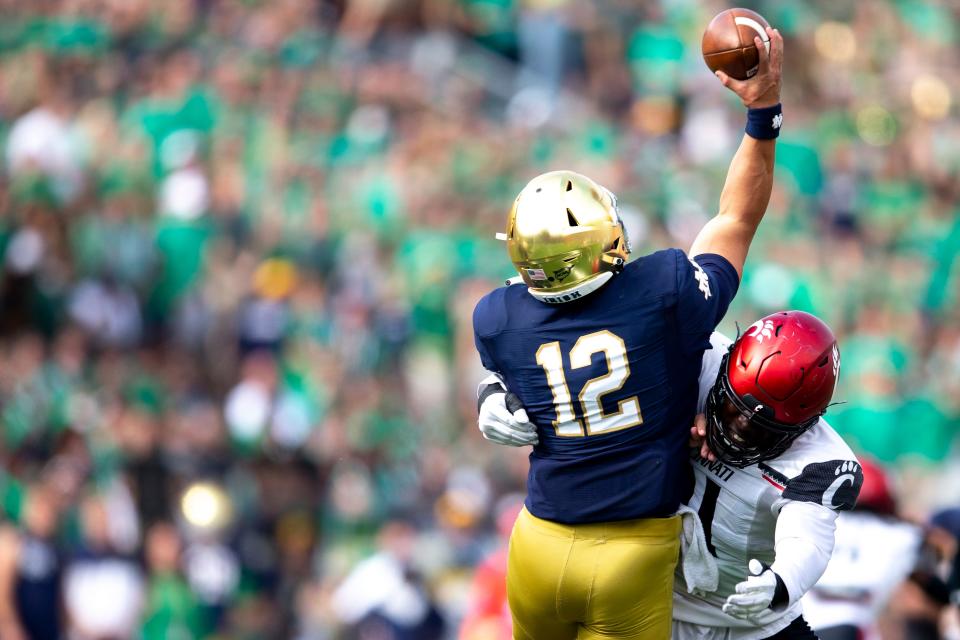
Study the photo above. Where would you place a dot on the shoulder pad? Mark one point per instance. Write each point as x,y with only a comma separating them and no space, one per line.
489,316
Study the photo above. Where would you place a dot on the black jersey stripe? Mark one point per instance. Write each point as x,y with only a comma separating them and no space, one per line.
707,508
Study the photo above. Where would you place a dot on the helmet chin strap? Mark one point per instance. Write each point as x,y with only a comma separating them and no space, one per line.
576,293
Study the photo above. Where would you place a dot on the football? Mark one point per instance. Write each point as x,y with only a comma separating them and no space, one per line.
728,46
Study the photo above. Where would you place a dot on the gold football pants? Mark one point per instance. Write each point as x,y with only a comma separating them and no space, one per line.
591,581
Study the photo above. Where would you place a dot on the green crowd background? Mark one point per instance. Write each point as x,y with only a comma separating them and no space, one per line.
241,241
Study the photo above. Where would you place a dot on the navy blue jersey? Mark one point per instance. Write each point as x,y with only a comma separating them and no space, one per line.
610,381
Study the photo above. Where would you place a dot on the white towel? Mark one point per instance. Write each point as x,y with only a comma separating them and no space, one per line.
697,565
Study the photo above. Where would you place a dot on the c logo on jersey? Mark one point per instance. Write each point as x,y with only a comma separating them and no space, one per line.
849,468
834,483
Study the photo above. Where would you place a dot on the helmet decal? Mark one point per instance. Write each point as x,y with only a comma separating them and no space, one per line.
764,329
536,274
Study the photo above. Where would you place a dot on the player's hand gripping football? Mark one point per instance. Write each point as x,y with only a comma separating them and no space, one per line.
503,419
763,89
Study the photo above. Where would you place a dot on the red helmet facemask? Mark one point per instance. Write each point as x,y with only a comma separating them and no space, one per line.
774,383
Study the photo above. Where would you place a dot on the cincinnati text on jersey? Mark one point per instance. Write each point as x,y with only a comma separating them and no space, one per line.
717,468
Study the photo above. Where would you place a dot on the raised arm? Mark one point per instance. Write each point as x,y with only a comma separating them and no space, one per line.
746,191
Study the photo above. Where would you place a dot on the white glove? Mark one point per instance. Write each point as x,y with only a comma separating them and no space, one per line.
503,419
754,595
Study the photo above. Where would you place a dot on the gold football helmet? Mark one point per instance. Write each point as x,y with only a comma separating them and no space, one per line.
565,237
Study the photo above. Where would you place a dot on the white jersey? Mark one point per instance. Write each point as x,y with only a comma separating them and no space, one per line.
871,557
781,511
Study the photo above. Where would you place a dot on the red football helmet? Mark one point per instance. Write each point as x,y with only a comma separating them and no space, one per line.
875,494
774,384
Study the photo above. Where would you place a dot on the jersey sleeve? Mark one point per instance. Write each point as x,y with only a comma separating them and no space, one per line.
820,467
705,286
803,541
834,483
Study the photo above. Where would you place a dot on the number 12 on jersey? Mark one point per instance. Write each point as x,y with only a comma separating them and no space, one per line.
550,357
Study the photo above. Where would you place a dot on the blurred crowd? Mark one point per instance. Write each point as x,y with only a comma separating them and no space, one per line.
241,240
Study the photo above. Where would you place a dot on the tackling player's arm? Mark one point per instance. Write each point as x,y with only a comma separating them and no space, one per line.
807,520
804,536
746,191
804,542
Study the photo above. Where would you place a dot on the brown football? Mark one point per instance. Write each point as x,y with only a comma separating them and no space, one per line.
727,43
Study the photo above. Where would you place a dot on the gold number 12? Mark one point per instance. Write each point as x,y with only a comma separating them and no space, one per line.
611,345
